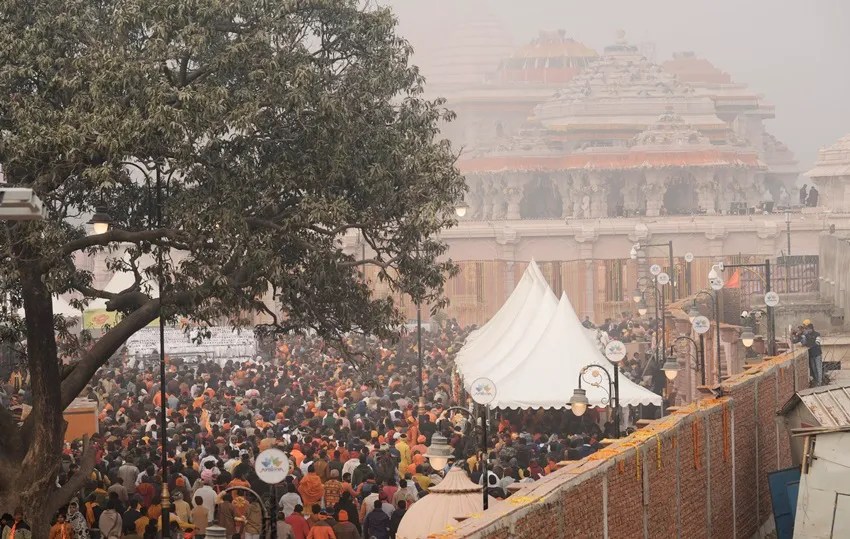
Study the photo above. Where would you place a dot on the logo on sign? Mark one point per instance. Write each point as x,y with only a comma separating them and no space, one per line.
483,390
271,466
615,351
771,299
701,324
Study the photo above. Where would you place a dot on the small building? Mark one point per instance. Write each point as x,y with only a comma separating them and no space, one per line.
823,406
823,502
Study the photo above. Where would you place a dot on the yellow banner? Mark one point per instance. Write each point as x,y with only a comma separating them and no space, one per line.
98,318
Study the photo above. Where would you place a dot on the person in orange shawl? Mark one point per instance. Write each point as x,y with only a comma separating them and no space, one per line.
311,488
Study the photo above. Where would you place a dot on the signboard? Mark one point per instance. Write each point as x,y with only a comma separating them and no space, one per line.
771,299
483,391
663,278
655,269
701,324
272,466
689,257
615,351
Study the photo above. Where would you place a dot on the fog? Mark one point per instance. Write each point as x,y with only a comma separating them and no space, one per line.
795,52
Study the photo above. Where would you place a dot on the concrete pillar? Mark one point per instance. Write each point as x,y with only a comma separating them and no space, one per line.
654,190
563,183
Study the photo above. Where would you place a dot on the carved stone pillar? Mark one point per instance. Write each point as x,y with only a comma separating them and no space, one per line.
498,199
513,196
654,190
598,196
706,189
564,184
630,194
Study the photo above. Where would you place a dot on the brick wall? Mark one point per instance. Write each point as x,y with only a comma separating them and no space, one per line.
699,472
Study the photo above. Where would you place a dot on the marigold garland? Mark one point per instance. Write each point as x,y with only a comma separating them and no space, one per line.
697,435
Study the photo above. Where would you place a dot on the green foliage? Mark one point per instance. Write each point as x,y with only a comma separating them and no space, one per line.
273,126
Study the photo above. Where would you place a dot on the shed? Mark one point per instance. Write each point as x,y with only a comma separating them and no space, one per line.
822,406
823,503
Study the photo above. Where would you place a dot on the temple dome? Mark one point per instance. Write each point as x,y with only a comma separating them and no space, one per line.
690,68
550,58
469,54
833,160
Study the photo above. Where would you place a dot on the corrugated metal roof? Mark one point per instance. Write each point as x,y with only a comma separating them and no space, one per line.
830,405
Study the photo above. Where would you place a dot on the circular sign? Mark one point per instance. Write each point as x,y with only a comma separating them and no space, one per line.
663,278
483,391
615,351
689,257
271,466
771,299
701,324
716,283
655,269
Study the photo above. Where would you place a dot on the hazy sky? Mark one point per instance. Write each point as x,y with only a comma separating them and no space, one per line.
795,52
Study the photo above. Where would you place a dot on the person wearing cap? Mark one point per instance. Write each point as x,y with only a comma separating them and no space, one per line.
344,529
181,507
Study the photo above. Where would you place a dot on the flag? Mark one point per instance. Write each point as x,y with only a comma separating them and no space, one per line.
734,281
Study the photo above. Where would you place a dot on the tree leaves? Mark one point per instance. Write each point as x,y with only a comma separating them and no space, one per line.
274,128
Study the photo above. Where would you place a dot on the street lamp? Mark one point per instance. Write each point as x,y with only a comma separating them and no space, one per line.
771,299
715,305
671,368
668,368
637,295
593,375
461,209
693,312
748,338
579,402
642,308
100,221
439,451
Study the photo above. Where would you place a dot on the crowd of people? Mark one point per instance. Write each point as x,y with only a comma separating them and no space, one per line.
354,432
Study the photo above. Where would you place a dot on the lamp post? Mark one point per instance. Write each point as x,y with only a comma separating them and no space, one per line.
593,375
693,313
483,391
638,246
700,353
163,418
771,299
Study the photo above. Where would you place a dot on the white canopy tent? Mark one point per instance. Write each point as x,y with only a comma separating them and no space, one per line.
523,316
60,306
546,371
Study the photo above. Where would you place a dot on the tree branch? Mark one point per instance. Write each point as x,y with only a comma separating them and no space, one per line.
64,494
107,345
120,236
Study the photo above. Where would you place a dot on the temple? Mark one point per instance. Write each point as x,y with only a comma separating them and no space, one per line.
573,155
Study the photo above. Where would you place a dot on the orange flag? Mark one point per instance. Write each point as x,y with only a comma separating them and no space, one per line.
734,281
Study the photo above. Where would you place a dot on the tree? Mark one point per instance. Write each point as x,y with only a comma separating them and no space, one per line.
273,127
